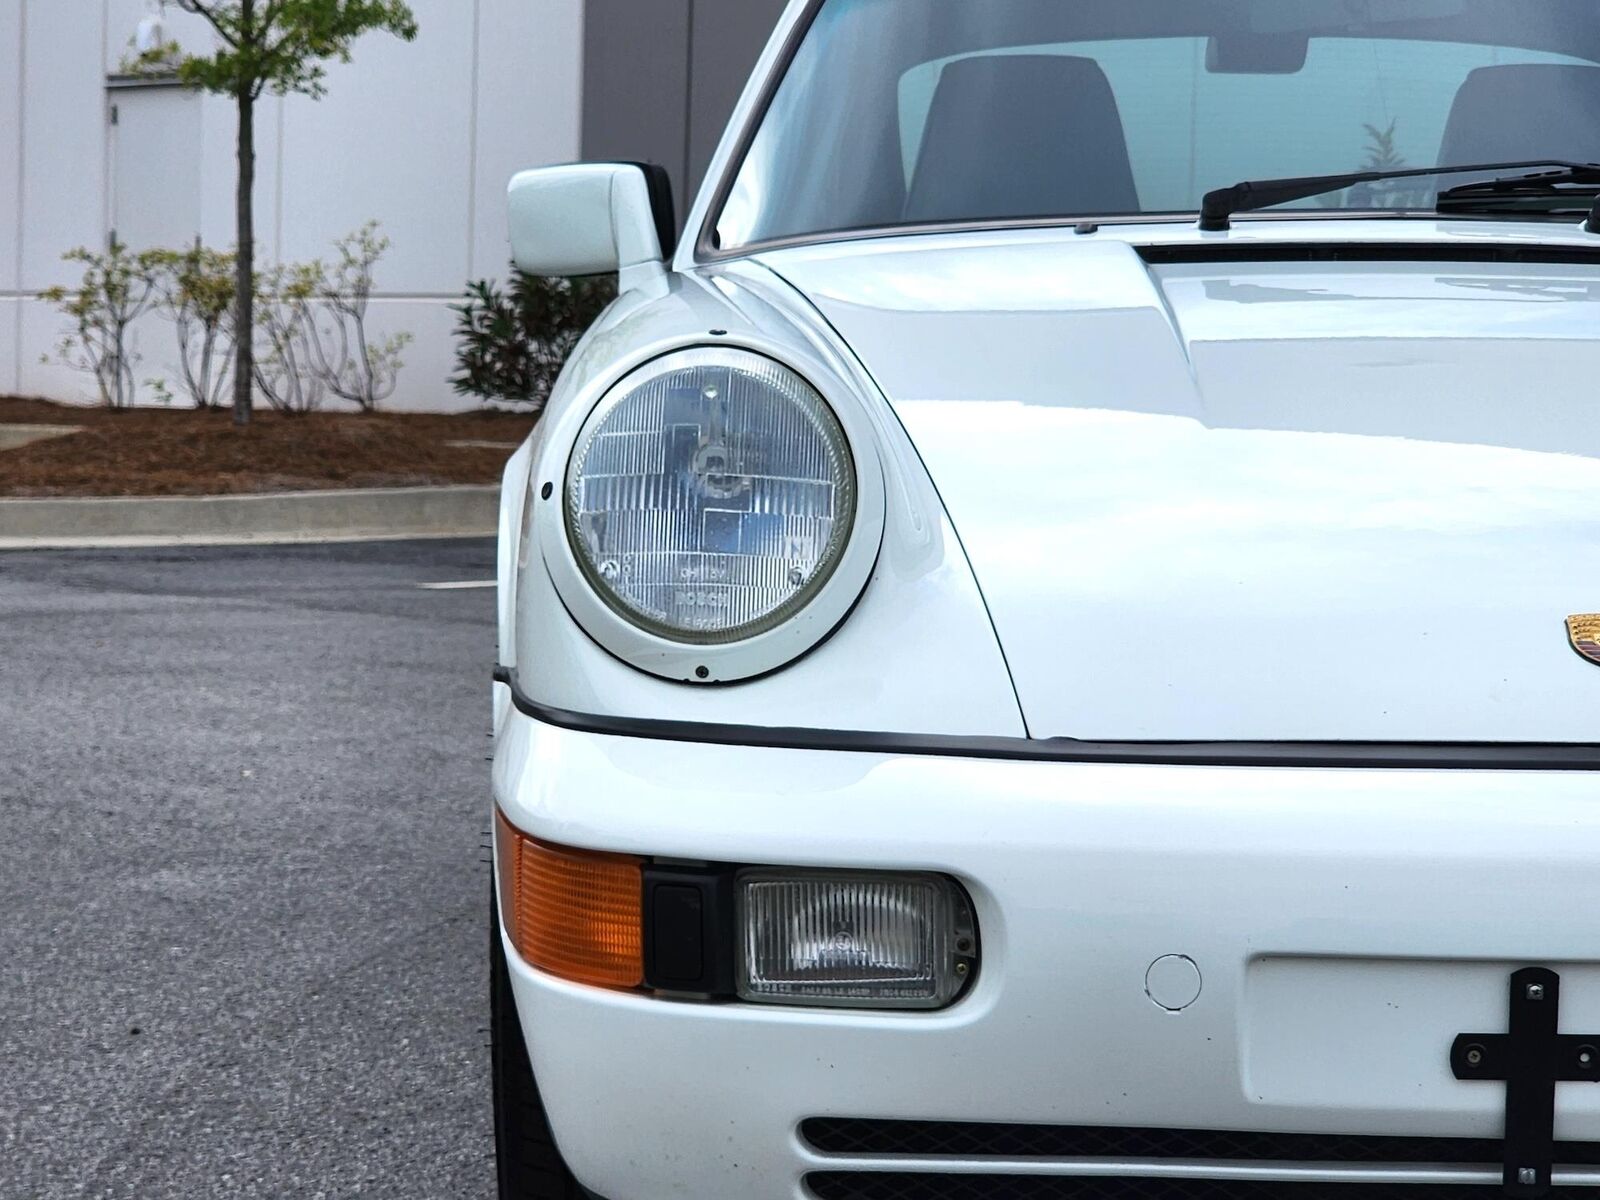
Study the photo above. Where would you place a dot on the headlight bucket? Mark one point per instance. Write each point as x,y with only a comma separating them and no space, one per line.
719,512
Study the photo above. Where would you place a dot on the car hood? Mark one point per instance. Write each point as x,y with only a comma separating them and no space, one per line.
1241,501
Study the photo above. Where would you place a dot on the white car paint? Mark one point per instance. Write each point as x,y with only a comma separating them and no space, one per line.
874,672
1238,502
1252,501
1347,923
553,230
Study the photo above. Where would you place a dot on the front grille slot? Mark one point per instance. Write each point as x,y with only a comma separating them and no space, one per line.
905,1185
978,1139
902,1143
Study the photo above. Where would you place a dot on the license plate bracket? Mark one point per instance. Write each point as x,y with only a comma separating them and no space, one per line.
1530,1059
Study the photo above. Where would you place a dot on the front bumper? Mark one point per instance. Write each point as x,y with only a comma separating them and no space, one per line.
1346,924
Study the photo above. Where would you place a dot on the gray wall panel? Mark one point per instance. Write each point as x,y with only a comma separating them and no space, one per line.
729,36
662,76
636,83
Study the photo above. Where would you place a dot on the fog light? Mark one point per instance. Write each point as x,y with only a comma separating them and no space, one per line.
854,939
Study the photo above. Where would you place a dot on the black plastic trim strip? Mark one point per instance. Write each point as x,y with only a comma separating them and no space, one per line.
1414,756
916,1185
1431,252
1080,222
659,184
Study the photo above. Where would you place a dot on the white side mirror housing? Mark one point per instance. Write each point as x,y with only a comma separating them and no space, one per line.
593,219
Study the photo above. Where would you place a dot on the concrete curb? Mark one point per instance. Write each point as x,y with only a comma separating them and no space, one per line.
336,516
14,437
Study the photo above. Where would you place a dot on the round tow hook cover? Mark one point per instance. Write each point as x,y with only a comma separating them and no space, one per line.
1173,982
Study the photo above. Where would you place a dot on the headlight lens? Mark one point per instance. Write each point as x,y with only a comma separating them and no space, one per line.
710,496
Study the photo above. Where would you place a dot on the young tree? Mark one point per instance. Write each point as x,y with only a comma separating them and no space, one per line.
277,46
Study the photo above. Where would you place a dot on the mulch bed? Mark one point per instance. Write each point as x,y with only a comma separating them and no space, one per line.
161,452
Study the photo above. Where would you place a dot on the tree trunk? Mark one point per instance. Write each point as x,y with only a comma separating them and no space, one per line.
244,283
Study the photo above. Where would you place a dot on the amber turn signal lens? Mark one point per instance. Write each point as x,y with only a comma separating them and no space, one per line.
574,913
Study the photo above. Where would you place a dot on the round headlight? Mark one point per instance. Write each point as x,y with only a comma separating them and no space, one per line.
710,496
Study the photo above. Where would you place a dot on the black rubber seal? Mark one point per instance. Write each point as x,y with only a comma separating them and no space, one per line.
1414,756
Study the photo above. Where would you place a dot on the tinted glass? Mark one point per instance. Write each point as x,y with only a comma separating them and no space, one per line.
907,112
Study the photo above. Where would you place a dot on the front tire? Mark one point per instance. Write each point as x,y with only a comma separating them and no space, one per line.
530,1165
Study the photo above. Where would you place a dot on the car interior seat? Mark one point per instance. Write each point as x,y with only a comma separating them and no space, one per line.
1521,112
1022,135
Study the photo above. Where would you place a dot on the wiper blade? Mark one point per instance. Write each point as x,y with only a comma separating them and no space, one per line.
1575,189
1221,204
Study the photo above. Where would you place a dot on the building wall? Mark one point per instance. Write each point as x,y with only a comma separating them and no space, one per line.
420,137
661,78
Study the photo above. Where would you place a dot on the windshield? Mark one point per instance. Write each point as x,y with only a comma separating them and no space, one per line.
898,113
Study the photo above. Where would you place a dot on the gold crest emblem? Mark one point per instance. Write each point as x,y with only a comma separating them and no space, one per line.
1584,631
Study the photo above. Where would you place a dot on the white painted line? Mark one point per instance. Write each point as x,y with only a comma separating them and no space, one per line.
468,586
200,540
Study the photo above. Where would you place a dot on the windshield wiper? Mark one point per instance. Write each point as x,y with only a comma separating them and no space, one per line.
1575,189
1221,204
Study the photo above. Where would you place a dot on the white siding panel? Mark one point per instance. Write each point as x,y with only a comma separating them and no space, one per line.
10,345
42,329
11,106
64,128
430,360
529,105
390,141
219,156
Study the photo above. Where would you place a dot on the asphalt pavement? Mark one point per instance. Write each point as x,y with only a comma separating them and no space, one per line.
243,904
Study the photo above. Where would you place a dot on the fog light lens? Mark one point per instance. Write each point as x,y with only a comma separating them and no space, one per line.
853,939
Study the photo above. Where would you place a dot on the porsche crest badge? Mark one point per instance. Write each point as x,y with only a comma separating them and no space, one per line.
1584,631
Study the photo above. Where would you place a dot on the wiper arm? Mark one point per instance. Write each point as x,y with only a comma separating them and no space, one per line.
1221,204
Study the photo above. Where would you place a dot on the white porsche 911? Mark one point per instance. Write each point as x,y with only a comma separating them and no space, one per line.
1030,667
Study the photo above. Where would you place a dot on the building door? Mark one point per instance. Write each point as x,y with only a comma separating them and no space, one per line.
155,166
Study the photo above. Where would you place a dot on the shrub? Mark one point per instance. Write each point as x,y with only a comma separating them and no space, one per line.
313,323
196,289
285,364
511,345
116,290
363,371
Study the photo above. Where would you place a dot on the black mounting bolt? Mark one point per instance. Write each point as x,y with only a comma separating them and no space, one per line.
546,491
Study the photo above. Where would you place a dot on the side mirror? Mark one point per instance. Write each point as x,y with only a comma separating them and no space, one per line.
593,219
